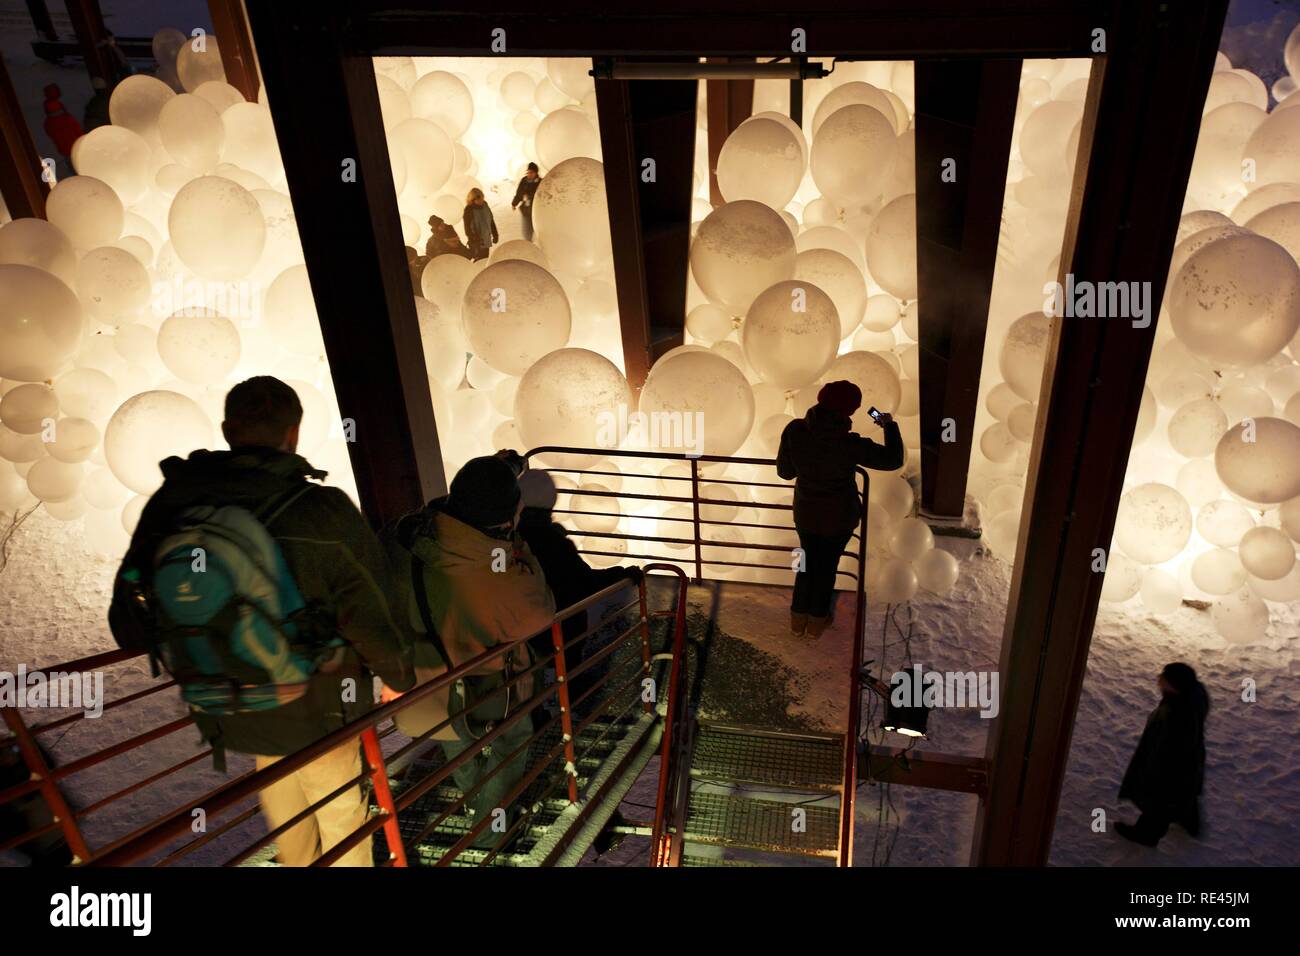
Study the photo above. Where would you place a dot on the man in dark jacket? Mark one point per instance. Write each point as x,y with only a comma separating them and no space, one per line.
571,579
1167,772
821,453
444,240
523,200
335,560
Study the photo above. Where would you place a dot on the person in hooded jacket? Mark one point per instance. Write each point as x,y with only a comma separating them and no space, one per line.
480,227
821,453
335,560
483,588
1167,773
444,240
570,578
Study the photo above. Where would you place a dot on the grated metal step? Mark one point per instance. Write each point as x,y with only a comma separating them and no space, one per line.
694,859
727,754
722,820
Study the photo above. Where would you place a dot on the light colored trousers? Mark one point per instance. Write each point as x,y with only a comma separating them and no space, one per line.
302,843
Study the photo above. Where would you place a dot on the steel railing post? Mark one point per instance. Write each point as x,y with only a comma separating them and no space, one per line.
695,507
566,712
383,795
49,789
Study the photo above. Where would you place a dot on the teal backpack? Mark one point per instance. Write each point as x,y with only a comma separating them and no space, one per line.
229,623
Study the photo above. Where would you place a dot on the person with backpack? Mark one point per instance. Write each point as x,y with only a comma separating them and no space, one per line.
260,591
480,227
470,584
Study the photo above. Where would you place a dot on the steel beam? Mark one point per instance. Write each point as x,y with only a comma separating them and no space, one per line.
326,111
230,23
21,185
1138,136
92,37
919,768
965,110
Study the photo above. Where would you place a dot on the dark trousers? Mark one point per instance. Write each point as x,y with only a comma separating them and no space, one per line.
814,586
527,213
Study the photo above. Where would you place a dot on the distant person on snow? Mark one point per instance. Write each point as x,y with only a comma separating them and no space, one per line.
523,200
821,453
1167,772
480,227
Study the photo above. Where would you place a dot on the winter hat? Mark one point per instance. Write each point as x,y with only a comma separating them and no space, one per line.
842,396
484,493
1181,677
538,489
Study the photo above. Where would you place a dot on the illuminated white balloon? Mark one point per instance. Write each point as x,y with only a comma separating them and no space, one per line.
853,154
1153,523
192,132
86,393
1267,553
1123,579
87,210
517,249
197,63
573,397
1260,460
570,75
1223,523
1023,354
937,571
250,141
1237,300
27,409
698,402
113,285
741,249
118,157
600,512
1196,428
40,324
220,94
1218,572
791,333
514,313
41,245
199,346
148,428
75,440
1198,482
571,216
429,156
444,99
1275,148
1240,617
216,228
912,539
848,94
837,276
444,282
52,480
894,583
136,103
709,324
290,312
891,247
762,160
1161,591
565,134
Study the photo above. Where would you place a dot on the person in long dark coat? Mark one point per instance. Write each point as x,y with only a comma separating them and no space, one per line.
480,227
821,453
1167,772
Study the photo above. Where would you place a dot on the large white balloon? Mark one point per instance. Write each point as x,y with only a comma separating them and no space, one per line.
290,312
192,132
29,409
41,245
118,157
444,99
891,247
853,155
741,249
836,275
1267,553
761,160
148,428
573,397
113,285
572,217
514,313
428,153
199,63
87,210
40,324
1023,353
216,228
1153,523
698,403
136,103
1240,617
445,345
565,134
1259,460
791,333
199,346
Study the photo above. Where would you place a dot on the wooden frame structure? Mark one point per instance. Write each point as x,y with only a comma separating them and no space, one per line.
1152,64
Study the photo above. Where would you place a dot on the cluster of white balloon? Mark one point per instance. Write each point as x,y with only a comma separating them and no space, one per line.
168,268
1211,510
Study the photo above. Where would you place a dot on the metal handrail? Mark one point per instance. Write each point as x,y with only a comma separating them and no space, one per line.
171,826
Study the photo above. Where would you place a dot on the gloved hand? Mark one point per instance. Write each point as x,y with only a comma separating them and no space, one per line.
634,574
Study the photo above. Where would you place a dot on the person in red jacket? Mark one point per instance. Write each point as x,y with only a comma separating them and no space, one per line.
60,126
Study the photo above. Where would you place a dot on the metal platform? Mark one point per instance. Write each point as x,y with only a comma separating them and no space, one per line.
769,825
728,754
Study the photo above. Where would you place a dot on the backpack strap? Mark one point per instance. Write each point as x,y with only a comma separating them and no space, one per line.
277,504
422,604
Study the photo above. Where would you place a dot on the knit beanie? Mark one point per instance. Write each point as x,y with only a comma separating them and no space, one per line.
843,397
484,493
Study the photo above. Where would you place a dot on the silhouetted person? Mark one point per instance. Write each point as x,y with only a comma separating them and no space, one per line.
820,452
95,114
1167,772
478,586
29,812
444,240
261,676
480,227
523,200
570,578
